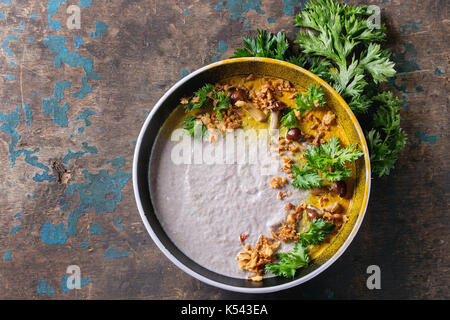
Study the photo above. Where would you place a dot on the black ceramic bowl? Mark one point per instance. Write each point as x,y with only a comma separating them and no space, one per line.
211,74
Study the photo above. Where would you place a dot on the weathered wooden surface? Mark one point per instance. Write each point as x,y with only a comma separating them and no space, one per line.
66,192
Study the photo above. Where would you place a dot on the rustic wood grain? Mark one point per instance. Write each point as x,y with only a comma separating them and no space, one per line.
146,48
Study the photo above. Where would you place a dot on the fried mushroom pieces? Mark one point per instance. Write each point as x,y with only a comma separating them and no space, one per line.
254,259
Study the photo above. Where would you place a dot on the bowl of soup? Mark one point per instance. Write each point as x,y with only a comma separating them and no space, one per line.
251,175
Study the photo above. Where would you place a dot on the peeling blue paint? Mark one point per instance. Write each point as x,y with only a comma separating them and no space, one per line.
290,5
45,288
10,77
118,222
84,281
113,253
28,114
84,115
77,41
76,155
53,235
2,15
186,11
56,44
10,123
402,64
85,3
421,136
14,230
100,28
270,20
32,160
183,73
101,194
223,47
8,254
52,9
6,48
51,105
438,72
237,7
96,229
413,26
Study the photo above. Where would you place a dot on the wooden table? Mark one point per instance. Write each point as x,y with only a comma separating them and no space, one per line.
73,102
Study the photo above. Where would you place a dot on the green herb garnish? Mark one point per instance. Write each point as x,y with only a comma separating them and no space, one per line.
289,120
288,263
201,97
306,178
307,102
318,230
191,124
223,102
325,162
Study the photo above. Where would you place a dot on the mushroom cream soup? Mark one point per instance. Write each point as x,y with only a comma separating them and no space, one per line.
250,172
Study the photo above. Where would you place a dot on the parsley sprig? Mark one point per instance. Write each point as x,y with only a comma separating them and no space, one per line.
191,125
203,95
223,102
325,162
289,262
307,102
200,98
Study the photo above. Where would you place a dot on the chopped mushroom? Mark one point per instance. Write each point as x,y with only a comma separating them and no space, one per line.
256,113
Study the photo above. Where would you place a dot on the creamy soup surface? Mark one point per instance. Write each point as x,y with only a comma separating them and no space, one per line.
206,208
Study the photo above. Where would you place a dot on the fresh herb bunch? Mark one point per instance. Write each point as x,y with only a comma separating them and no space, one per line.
288,263
325,162
264,44
386,138
338,43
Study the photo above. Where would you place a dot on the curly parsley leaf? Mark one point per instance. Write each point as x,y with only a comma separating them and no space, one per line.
344,35
386,138
305,178
191,125
307,102
200,97
265,44
289,262
223,102
331,159
318,230
289,120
